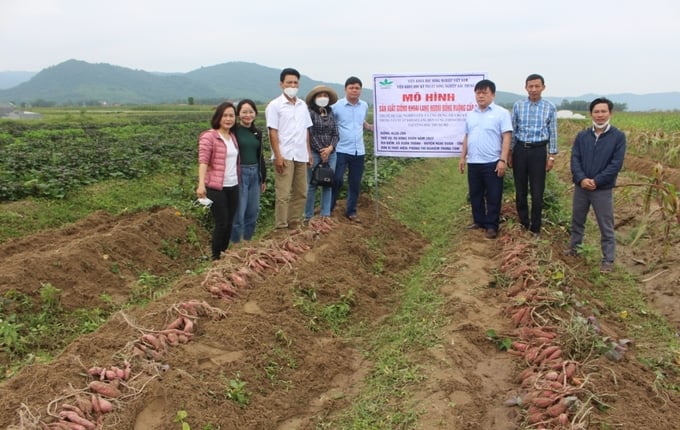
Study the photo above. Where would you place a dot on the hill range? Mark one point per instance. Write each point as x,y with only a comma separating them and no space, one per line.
75,82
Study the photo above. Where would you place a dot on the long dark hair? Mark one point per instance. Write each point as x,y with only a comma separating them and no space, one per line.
252,127
219,111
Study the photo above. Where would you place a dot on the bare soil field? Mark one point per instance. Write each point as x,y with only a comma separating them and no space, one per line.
297,374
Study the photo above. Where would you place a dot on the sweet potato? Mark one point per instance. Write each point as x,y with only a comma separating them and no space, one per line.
94,404
570,369
72,408
238,280
95,371
105,389
552,375
75,418
103,406
519,346
177,323
557,409
152,341
542,402
536,417
84,404
188,325
526,373
546,352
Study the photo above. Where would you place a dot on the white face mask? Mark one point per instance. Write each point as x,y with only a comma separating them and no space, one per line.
290,92
600,126
321,101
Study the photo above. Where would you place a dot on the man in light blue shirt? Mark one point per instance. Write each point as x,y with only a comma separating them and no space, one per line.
486,145
534,146
350,114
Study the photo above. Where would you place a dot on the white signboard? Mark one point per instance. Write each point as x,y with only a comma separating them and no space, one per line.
422,115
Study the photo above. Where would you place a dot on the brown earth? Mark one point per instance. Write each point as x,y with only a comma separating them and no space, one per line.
296,371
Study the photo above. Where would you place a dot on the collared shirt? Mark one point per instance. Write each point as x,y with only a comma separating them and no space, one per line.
484,131
350,119
535,122
291,120
324,131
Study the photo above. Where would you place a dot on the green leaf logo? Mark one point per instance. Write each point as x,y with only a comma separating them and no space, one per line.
385,83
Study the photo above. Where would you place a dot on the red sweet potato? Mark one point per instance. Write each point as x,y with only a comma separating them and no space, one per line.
105,389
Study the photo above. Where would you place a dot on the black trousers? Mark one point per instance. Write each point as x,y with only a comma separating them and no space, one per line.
528,169
225,202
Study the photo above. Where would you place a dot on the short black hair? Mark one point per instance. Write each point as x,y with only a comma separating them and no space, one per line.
533,77
353,80
288,71
219,111
484,84
604,100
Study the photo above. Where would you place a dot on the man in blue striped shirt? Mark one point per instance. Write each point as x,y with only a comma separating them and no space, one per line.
534,146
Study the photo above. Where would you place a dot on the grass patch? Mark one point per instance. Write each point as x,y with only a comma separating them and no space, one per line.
438,213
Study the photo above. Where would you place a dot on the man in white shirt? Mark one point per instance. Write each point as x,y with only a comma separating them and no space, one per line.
288,122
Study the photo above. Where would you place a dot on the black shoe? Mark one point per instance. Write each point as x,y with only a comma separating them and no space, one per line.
491,233
474,226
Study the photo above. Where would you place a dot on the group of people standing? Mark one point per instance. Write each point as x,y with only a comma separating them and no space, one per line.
303,133
326,129
526,141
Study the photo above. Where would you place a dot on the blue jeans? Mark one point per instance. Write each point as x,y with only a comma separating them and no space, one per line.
355,164
486,194
326,192
602,202
248,204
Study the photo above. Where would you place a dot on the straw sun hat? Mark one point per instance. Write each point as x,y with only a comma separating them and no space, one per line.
332,95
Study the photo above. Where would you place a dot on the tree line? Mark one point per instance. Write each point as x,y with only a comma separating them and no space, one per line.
583,106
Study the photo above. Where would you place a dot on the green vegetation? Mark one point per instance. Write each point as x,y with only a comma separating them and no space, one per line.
237,393
435,211
32,332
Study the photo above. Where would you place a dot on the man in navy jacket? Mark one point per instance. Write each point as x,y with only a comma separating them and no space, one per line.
596,159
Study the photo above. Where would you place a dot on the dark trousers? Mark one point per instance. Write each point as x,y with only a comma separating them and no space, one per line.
223,209
486,194
528,168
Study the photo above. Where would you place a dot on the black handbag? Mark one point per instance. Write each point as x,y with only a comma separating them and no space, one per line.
322,175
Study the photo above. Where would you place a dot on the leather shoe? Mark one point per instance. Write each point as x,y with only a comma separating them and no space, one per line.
354,218
473,226
491,233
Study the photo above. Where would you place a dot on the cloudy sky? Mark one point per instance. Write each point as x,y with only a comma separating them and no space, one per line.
580,46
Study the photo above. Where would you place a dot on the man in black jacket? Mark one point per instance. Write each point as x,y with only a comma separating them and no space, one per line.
596,159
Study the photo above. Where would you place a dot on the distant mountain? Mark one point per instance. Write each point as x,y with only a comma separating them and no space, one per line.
78,82
14,78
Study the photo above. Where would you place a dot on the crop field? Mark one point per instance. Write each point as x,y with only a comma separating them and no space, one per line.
113,317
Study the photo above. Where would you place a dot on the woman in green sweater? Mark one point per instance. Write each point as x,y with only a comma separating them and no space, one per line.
253,172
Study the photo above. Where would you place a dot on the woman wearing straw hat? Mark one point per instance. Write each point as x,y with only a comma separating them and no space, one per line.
323,139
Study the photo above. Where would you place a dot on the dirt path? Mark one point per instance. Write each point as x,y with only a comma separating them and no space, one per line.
296,372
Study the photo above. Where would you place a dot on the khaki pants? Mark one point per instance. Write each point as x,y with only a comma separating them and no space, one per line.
291,193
